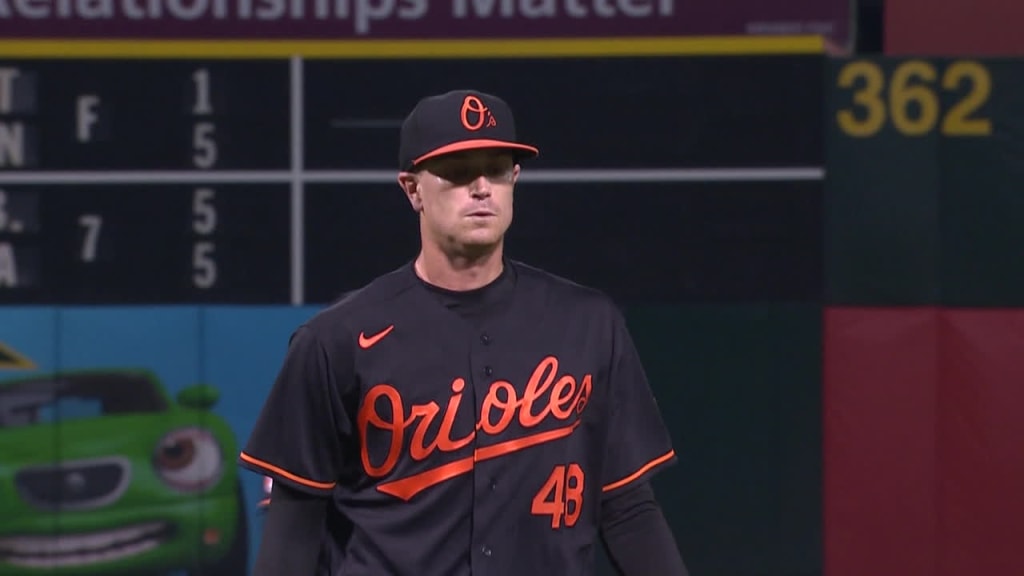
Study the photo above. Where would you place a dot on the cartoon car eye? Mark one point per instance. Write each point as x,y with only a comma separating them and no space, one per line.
188,459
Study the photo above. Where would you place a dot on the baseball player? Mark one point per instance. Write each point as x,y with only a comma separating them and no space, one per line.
466,413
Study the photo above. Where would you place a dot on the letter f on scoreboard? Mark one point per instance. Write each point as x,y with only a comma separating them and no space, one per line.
86,116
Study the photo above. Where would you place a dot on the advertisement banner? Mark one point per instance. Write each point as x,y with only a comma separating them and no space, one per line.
418,19
120,429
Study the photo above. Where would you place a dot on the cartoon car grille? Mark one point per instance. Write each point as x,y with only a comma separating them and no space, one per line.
73,485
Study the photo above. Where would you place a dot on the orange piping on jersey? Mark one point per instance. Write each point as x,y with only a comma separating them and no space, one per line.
640,472
410,486
271,468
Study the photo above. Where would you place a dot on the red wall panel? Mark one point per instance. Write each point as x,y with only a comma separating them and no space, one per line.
981,438
879,438
924,442
954,27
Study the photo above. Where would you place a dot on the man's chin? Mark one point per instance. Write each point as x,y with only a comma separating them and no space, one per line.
477,245
482,236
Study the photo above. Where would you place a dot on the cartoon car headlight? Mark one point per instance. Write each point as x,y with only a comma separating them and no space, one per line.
189,459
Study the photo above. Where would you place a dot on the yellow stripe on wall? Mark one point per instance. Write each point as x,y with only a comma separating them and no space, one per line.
467,48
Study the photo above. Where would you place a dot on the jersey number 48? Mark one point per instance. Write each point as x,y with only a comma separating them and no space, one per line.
561,496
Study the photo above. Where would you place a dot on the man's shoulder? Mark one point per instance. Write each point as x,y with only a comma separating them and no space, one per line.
564,292
359,305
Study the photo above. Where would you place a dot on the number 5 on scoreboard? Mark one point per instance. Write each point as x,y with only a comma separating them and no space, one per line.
204,267
561,496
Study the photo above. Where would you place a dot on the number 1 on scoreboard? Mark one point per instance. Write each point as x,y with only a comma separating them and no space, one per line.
202,105
204,146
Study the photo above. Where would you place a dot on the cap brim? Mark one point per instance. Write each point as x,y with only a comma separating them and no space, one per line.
524,149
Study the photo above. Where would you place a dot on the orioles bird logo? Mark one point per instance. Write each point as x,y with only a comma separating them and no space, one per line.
10,359
475,115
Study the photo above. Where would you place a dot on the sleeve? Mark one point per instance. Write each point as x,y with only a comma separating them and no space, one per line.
292,534
298,436
636,535
638,443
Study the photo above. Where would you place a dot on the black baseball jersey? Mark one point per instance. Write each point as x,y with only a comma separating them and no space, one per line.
458,444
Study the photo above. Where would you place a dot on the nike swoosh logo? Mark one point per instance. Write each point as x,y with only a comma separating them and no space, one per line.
368,341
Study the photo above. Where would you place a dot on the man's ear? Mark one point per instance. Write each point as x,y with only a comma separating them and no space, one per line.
410,185
515,173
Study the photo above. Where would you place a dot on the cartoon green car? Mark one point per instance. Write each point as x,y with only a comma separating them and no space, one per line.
101,472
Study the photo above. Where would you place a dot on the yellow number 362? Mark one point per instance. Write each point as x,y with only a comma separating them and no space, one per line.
911,102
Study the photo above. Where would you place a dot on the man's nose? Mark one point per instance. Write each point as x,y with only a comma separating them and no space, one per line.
480,187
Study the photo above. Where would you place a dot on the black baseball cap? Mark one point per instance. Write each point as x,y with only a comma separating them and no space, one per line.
456,121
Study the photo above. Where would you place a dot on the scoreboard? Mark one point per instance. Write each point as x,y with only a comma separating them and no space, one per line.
274,181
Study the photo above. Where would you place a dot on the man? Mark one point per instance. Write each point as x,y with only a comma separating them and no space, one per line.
465,414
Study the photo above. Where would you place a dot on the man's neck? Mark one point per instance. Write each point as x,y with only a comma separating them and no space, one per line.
459,272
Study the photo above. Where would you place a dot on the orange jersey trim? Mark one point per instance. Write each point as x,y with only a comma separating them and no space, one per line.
643,470
286,474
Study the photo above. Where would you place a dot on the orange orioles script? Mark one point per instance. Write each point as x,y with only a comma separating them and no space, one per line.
546,396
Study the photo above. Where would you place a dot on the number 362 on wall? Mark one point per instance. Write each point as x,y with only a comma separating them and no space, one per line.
909,98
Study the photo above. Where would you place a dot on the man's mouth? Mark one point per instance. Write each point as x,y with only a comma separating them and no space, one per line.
81,549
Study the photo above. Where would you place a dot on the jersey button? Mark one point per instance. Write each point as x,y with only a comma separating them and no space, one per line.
485,551
488,371
485,338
